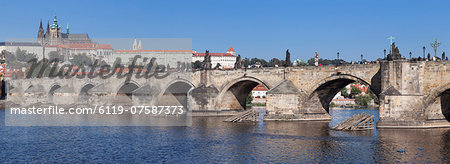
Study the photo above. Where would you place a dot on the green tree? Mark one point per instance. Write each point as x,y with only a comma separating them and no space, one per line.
344,92
311,61
354,92
217,66
54,55
245,62
249,98
362,100
9,57
197,64
274,62
23,56
332,104
81,59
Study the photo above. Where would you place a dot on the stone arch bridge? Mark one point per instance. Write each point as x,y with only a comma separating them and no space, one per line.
411,94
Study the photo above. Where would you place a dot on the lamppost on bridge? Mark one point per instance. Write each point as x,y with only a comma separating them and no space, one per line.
338,61
423,52
362,58
410,55
384,53
435,45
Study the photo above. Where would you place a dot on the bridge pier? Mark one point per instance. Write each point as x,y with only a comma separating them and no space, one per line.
284,104
411,97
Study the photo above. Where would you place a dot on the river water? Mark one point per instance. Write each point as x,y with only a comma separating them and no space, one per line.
211,140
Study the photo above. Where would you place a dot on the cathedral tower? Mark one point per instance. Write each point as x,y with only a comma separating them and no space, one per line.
41,33
47,31
53,35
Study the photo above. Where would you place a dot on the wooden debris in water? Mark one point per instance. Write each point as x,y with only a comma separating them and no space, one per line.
249,115
361,121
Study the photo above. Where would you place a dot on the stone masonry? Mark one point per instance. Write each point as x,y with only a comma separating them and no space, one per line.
412,94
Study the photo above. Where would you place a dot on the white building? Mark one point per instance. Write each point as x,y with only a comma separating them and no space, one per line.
94,50
259,94
30,47
339,100
163,57
226,60
343,102
259,91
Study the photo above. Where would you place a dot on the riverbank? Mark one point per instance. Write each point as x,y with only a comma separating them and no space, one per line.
351,108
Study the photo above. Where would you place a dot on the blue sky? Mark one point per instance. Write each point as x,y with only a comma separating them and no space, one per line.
263,29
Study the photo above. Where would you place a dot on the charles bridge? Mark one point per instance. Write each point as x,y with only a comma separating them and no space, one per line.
412,94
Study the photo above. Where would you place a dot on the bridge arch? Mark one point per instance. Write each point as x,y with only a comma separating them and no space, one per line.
233,95
175,93
83,96
324,91
53,88
121,85
28,87
85,88
443,94
124,92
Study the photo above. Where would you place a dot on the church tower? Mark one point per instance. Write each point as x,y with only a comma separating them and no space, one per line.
231,51
135,46
54,34
41,34
67,32
47,31
139,45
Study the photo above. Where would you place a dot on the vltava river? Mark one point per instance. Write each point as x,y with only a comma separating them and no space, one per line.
213,141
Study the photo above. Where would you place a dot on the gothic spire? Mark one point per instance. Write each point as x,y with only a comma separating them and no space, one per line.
41,31
140,45
47,32
135,44
67,28
55,23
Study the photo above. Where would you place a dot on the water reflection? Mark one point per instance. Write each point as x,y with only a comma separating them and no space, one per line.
209,139
420,145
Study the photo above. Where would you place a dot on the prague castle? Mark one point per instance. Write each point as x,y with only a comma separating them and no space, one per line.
53,36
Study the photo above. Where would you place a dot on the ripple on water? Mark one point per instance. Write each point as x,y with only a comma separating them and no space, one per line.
213,141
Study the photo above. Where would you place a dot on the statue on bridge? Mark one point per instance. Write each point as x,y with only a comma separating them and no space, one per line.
237,64
316,59
288,59
395,53
207,61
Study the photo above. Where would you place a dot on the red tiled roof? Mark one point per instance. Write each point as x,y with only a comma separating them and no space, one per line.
212,54
362,88
259,87
86,46
104,46
231,49
135,51
343,99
